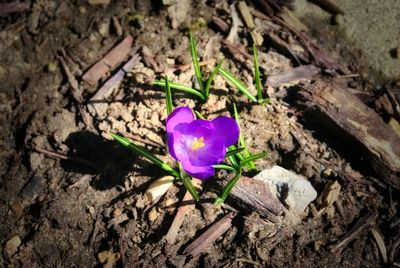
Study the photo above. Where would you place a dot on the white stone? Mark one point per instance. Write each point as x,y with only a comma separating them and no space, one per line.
292,189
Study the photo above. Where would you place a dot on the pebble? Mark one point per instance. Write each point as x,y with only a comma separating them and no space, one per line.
291,188
33,188
16,208
117,212
12,246
153,214
108,258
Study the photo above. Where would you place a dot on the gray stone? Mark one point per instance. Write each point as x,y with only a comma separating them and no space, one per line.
292,189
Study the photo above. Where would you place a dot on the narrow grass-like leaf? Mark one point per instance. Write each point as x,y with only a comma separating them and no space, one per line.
237,83
187,182
180,87
225,167
232,158
246,152
257,73
143,152
196,63
228,188
233,151
252,158
211,78
199,115
168,96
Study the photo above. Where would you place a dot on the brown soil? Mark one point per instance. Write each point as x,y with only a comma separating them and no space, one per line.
67,212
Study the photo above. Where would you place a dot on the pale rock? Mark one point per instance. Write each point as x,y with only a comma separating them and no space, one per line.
12,245
292,189
178,12
35,159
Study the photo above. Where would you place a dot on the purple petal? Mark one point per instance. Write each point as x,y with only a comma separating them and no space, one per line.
178,116
178,145
226,129
200,172
200,128
212,153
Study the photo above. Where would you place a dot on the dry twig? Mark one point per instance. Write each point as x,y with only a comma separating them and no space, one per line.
208,237
361,224
109,61
16,6
180,214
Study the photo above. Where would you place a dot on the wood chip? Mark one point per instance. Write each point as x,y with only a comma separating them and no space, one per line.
16,6
245,12
293,75
210,236
345,115
233,33
330,194
109,61
255,195
75,90
186,206
221,24
158,188
112,82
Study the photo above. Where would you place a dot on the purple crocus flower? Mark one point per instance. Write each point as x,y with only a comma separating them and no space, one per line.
198,144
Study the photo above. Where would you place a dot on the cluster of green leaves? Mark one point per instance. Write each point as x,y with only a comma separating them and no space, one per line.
238,157
204,85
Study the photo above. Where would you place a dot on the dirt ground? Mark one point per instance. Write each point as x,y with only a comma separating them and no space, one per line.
73,197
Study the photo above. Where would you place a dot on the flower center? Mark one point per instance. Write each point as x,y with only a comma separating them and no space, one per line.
197,143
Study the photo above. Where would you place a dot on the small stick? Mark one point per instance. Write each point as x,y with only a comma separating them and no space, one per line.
56,155
16,6
180,214
220,23
117,26
237,49
76,93
235,24
95,228
395,245
295,74
361,224
208,237
109,61
106,89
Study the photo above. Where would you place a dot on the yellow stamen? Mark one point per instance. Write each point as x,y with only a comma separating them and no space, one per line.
198,143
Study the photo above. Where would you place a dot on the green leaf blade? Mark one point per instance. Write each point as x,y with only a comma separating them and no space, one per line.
228,188
237,83
145,153
180,87
242,142
196,63
211,78
257,73
252,158
187,182
168,96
